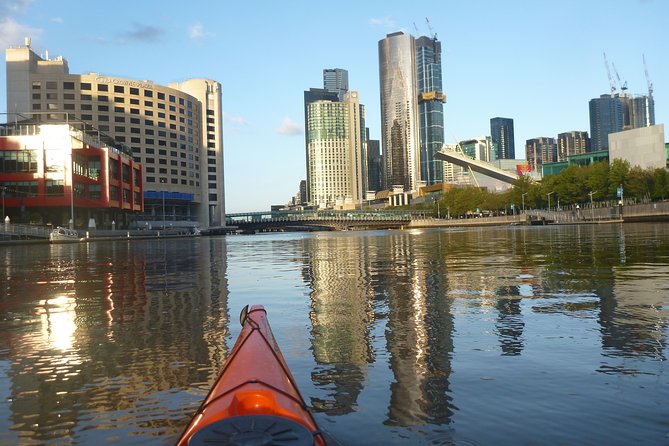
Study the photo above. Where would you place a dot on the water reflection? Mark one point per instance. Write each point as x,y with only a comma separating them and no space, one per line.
122,327
395,333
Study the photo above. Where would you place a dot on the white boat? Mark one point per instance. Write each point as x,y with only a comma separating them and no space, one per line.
64,235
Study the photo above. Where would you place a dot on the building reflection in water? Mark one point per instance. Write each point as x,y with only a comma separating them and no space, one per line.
338,270
359,281
123,326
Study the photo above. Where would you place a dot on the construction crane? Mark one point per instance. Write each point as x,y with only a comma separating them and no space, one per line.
608,72
650,84
433,36
621,85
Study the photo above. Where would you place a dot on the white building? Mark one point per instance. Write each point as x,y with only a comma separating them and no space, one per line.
336,155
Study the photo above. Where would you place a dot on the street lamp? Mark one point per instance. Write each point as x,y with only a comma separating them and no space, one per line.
3,201
592,209
549,200
522,197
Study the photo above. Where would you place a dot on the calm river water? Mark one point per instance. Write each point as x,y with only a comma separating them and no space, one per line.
523,336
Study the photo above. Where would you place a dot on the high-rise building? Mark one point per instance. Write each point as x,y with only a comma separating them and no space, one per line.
501,131
335,80
374,164
430,108
571,143
337,168
642,112
540,151
399,111
478,148
606,116
174,131
310,96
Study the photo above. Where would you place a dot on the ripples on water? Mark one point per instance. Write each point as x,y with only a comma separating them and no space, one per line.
554,335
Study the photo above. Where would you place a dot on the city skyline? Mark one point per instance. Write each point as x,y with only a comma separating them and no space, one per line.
263,80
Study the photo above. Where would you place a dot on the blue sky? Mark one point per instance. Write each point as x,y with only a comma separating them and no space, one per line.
538,62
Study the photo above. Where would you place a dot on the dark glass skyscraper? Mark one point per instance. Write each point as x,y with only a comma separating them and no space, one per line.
430,108
606,116
335,80
501,132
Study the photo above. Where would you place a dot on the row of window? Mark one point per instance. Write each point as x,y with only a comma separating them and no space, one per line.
87,86
37,106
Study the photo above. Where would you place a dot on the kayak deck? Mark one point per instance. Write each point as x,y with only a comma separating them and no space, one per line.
255,399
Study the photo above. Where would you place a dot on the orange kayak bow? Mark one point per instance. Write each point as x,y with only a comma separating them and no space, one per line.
255,400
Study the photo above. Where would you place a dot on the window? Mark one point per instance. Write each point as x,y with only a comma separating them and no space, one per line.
162,170
37,85
119,99
85,86
103,118
119,89
161,105
104,128
103,87
148,132
86,117
37,106
134,90
174,181
134,101
150,179
52,96
135,140
68,85
119,110
181,102
103,98
134,111
148,93
104,108
161,95
119,129
149,141
94,191
134,120
148,113
148,103
51,85
55,188
68,96
148,122
52,106
172,98
162,152
37,96
68,106
119,119
151,160
134,130
86,97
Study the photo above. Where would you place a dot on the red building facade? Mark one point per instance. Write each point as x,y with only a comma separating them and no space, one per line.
55,173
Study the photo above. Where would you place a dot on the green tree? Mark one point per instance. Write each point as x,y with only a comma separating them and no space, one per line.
660,188
618,174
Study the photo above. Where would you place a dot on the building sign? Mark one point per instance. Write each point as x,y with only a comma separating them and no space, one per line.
126,82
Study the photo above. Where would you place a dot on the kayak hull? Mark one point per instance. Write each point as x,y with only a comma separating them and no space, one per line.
254,396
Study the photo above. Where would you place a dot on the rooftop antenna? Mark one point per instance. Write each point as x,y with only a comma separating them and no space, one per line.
608,72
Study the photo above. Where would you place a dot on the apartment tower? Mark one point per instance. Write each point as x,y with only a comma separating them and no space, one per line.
336,155
399,111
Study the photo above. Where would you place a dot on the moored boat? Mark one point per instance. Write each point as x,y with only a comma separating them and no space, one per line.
254,400
64,235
